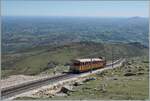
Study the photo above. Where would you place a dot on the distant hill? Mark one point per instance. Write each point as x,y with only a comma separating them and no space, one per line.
38,59
19,33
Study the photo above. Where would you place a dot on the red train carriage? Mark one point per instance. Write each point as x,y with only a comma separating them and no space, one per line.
83,65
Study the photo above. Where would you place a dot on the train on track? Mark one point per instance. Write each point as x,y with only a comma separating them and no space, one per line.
88,64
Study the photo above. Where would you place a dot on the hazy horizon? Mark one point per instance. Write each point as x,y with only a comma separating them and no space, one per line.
81,16
75,8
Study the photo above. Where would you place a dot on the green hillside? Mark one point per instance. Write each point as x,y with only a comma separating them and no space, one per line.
20,33
37,60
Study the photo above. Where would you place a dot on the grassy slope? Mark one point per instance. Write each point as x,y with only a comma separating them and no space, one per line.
35,61
133,87
121,88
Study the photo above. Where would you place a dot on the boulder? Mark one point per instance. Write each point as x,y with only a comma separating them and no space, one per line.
89,79
129,70
129,74
60,94
115,78
140,73
51,64
66,89
129,63
78,83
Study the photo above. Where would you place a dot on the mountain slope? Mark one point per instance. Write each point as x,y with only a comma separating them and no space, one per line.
60,56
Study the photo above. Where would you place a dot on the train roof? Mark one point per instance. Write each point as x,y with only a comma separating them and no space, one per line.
88,59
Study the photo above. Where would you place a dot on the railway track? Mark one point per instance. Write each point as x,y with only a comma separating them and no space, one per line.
12,91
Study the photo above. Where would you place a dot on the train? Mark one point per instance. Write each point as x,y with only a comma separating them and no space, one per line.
87,64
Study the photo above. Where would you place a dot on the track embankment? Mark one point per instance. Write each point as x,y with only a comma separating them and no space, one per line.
25,87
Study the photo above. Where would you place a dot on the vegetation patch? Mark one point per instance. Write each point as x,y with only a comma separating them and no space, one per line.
112,84
58,58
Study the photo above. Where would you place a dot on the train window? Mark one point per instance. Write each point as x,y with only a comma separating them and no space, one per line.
84,63
76,64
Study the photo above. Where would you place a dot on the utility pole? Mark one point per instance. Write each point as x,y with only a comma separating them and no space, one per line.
91,66
112,56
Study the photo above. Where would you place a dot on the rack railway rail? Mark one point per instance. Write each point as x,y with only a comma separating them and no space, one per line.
18,89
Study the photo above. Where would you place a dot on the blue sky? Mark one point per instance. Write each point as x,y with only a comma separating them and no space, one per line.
75,8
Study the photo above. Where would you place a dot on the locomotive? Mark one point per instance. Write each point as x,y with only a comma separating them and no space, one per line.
87,64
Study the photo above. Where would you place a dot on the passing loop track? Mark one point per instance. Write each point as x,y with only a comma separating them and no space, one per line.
18,89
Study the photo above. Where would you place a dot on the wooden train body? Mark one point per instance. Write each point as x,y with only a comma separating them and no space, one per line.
88,64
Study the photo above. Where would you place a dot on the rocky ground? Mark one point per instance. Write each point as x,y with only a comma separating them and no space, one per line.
128,82
19,79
